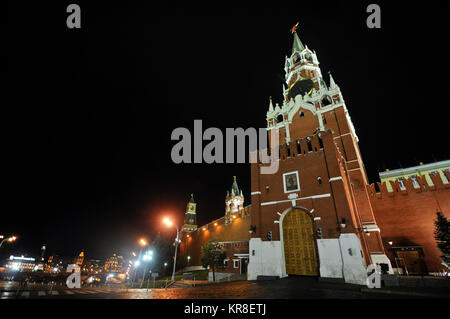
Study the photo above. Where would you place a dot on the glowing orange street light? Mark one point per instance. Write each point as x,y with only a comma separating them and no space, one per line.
9,239
167,221
143,242
215,224
204,228
234,216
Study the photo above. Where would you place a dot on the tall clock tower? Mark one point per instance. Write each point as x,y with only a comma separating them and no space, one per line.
190,219
316,207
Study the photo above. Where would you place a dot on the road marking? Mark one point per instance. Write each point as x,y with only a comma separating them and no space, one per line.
26,294
6,294
81,292
41,293
92,291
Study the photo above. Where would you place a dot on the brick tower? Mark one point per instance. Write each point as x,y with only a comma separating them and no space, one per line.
313,217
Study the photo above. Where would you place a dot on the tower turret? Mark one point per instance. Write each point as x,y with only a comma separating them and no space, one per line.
190,219
234,202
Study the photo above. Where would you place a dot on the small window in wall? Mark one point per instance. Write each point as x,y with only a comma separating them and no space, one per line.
320,142
319,179
299,149
225,263
324,120
288,151
267,189
280,118
301,114
236,263
326,101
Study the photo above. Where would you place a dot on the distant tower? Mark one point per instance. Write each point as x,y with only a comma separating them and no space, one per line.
80,259
43,248
190,219
234,202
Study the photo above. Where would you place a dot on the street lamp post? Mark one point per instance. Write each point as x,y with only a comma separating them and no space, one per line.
175,257
10,239
147,257
142,243
177,240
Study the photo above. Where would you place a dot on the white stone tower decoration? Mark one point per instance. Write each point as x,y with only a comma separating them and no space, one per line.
234,202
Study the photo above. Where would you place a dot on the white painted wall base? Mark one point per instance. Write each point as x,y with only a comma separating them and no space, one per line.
354,267
330,259
338,258
265,259
382,259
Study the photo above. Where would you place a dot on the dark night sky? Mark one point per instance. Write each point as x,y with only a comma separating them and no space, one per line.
88,113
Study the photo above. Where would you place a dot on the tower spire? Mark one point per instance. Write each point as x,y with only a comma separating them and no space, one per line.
297,45
235,188
332,83
270,105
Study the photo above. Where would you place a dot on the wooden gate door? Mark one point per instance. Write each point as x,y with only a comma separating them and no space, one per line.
299,244
412,261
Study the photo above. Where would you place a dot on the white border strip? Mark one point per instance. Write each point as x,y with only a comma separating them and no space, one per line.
284,201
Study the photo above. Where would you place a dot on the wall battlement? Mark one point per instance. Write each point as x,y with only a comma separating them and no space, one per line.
379,190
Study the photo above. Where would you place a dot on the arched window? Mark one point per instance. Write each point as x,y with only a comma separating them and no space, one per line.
296,58
319,179
326,100
301,114
280,118
308,57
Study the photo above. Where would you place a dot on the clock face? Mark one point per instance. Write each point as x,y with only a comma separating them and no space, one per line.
302,87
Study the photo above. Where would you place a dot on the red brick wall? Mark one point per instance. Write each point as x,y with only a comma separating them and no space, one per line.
407,217
237,231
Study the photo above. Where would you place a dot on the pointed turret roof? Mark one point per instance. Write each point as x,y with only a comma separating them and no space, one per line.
297,45
270,105
234,188
192,199
332,83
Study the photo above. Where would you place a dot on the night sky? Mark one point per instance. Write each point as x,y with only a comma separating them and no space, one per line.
88,113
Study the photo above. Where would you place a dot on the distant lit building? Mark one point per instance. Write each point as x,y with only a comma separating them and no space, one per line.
54,261
92,266
22,264
416,173
114,264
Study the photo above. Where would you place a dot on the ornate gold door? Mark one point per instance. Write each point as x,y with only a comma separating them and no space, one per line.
299,244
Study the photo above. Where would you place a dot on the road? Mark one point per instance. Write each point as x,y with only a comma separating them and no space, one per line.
287,288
